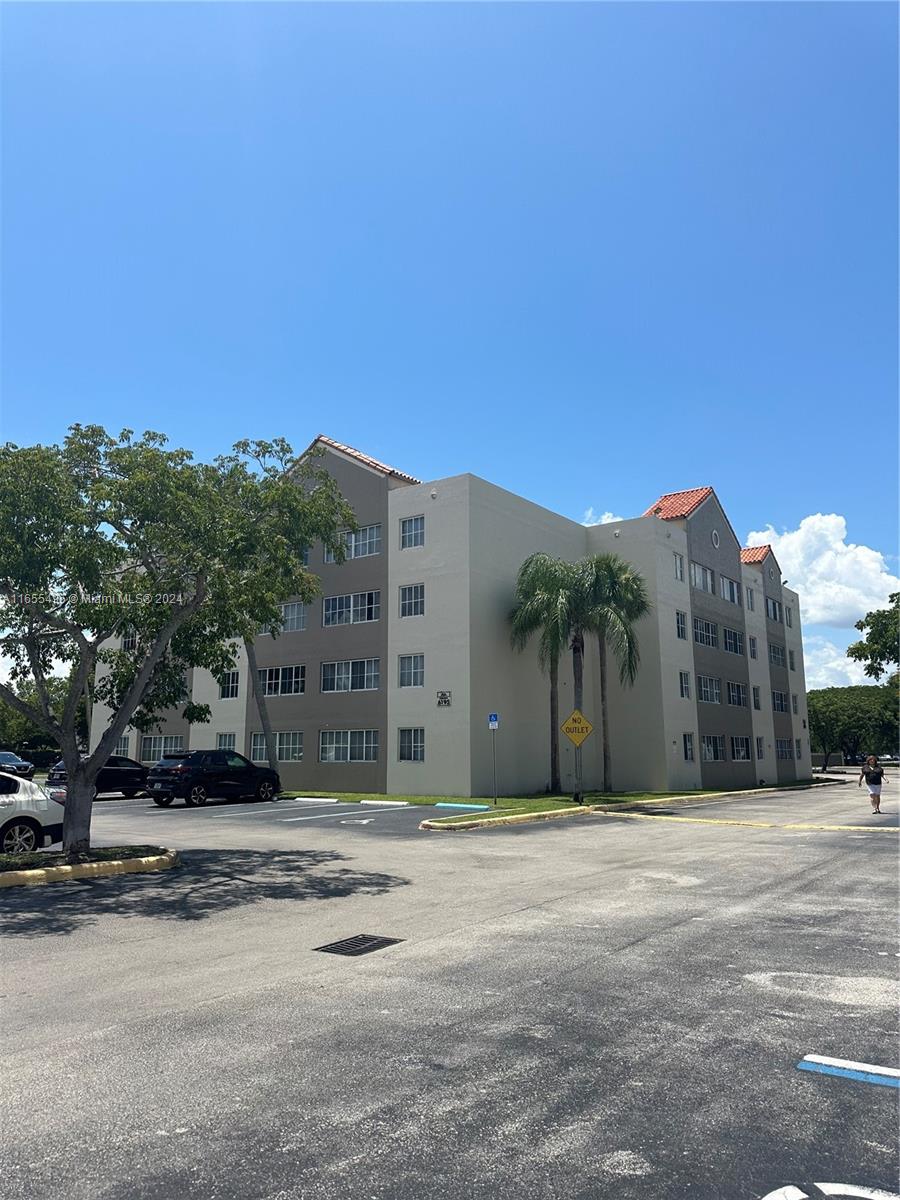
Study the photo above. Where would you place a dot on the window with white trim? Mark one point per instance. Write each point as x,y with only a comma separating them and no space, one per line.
798,747
757,703
154,746
776,654
681,625
760,748
359,544
412,532
352,609
282,681
121,747
129,641
679,566
709,689
703,578
740,749
684,684
729,589
226,741
706,633
751,644
748,592
712,747
411,745
351,675
792,661
783,748
293,616
412,600
288,746
773,609
348,745
779,701
737,694
228,685
733,640
794,704
412,670
688,743
789,617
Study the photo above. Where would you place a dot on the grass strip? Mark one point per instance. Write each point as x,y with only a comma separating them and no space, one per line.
37,860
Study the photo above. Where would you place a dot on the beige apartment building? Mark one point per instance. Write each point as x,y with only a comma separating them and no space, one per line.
385,683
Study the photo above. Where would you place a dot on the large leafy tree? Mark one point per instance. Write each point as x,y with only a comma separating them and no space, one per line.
618,597
541,609
104,535
880,647
852,720
19,733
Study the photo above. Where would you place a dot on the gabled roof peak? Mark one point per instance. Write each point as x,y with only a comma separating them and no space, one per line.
365,459
675,505
755,554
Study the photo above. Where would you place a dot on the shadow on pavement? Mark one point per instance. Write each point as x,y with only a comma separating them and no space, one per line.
207,882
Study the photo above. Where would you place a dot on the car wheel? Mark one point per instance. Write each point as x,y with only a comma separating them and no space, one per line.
197,795
21,837
264,790
163,801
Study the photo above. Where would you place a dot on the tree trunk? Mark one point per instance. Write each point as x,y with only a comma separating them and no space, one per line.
261,705
604,714
80,789
555,785
578,673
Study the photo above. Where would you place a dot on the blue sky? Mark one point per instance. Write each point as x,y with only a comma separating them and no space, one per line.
591,252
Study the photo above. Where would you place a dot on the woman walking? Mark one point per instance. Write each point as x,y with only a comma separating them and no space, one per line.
874,774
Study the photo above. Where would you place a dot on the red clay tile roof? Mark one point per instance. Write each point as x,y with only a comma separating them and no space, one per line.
754,554
674,505
360,457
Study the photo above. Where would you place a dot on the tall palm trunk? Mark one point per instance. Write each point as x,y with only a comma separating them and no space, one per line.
578,673
604,713
261,704
555,785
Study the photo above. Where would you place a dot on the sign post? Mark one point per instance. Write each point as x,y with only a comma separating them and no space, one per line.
494,725
577,728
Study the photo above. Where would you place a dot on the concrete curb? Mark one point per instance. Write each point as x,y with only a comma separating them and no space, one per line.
513,819
708,798
90,870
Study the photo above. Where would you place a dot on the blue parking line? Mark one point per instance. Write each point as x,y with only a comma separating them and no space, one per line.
862,1076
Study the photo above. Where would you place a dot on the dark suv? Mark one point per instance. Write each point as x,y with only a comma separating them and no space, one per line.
120,774
198,775
13,765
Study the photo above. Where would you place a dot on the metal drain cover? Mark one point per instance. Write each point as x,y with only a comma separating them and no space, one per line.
360,943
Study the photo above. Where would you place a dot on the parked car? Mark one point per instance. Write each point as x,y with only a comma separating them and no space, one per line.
198,775
13,765
28,815
119,775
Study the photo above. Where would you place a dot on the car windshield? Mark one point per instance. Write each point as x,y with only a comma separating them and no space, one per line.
7,756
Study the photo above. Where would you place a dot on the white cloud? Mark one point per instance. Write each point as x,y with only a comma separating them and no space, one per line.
605,518
838,581
827,665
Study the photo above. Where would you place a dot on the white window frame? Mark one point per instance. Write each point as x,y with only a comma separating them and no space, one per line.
798,746
679,566
226,741
760,749
347,744
795,704
352,608
735,637
779,702
703,578
710,744
121,747
776,655
792,660
784,750
293,616
411,534
709,689
411,744
738,689
740,749
788,616
129,641
349,670
288,746
751,645
230,685
272,681
748,593
169,743
706,633
415,669
684,684
687,742
412,599
774,610
757,699
681,624
729,589
359,543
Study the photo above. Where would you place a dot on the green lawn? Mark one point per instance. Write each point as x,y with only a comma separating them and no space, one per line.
533,803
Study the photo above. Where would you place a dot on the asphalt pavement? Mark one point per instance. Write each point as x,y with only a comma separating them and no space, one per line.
632,1007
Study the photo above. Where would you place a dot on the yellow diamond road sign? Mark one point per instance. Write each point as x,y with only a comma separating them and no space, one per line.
577,728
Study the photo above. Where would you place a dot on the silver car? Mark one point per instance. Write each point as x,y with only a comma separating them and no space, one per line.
28,815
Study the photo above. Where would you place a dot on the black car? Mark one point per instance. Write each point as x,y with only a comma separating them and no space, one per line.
119,775
197,775
13,765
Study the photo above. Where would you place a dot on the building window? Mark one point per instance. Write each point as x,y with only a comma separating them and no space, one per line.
412,600
121,747
348,745
798,748
751,642
226,741
709,690
129,641
712,747
740,749
789,617
281,681
794,704
773,609
733,640
288,746
729,589
351,610
681,624
684,683
703,578
776,654
688,740
760,748
351,675
779,701
679,566
748,592
154,746
756,699
783,748
792,660
304,556
228,685
359,544
412,670
412,745
412,532
737,694
706,632
293,617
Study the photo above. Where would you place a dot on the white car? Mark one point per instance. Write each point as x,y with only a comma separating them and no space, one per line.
28,815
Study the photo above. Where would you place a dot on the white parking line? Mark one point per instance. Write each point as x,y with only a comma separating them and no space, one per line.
319,816
234,811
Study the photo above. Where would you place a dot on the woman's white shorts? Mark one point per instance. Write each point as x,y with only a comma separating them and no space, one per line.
874,789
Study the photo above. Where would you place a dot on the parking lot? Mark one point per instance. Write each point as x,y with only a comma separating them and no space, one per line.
630,1006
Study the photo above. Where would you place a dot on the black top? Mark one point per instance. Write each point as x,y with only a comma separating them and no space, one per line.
874,774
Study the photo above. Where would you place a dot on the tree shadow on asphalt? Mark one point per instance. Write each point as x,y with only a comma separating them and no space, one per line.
206,882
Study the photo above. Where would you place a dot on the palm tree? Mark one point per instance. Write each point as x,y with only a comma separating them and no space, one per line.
618,601
541,607
580,617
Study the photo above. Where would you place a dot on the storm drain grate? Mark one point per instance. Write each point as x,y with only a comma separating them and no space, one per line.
360,943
